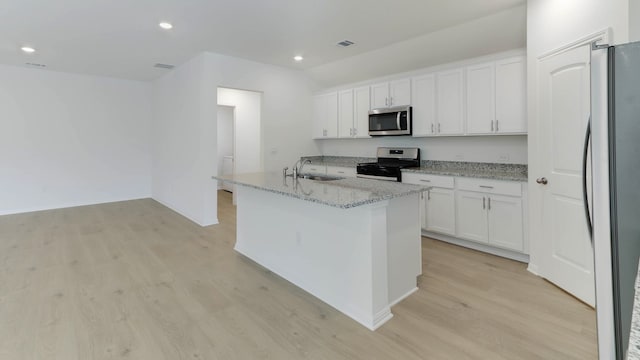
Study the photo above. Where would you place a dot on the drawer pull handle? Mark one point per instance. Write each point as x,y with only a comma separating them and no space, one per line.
340,172
486,187
423,180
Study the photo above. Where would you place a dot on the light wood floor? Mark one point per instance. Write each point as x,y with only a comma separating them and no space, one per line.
134,280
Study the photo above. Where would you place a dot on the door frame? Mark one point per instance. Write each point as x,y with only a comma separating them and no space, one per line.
535,170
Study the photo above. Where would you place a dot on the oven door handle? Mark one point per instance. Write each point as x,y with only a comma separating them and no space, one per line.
398,119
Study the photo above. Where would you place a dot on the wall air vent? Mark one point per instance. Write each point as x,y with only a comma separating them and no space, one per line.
345,43
35,65
164,66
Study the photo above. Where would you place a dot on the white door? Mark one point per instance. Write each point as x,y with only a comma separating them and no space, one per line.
471,218
400,92
345,113
361,112
441,211
511,95
505,222
563,105
423,95
481,99
380,95
450,105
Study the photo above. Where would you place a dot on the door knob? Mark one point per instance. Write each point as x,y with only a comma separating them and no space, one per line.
542,181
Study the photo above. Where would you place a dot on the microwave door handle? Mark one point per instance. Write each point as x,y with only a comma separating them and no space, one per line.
398,120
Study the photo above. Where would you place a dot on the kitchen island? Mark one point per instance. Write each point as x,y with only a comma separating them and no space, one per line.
353,243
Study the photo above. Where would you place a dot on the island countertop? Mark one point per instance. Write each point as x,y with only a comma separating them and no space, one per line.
343,193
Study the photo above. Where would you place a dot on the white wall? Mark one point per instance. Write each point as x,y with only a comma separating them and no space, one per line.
496,149
185,123
494,33
69,140
248,136
225,134
552,24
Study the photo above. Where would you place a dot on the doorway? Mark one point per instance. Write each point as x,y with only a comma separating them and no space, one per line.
226,146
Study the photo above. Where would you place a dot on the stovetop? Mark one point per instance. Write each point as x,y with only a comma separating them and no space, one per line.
389,167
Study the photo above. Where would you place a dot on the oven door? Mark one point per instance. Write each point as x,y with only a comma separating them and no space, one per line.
390,121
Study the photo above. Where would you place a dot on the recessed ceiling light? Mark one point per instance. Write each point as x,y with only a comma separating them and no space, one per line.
298,58
28,49
166,25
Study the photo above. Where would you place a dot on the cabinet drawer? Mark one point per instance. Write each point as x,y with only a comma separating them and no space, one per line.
314,169
511,188
341,171
427,179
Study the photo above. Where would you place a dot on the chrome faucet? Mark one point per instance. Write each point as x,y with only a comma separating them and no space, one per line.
297,167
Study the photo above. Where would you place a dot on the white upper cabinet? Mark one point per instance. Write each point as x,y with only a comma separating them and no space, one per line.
345,113
353,113
325,116
481,99
496,97
361,112
388,94
423,93
487,98
450,109
400,92
511,94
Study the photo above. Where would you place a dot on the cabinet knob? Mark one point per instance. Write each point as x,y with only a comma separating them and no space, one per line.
542,180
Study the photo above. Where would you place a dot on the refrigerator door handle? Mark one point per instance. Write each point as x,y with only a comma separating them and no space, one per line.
585,189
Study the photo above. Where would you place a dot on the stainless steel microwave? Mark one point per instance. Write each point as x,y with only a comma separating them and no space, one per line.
390,121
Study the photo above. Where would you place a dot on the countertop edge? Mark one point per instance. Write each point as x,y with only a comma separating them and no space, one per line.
317,201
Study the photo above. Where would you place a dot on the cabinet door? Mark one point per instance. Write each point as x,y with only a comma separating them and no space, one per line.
505,222
361,112
319,116
380,95
441,211
511,92
423,95
345,113
471,219
481,99
450,110
325,116
332,115
400,92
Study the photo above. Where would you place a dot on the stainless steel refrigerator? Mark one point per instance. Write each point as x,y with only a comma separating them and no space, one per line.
613,194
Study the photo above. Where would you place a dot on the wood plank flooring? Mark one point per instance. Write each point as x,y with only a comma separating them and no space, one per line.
134,280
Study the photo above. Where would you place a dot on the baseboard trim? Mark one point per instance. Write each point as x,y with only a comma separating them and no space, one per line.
71,205
398,300
480,247
203,224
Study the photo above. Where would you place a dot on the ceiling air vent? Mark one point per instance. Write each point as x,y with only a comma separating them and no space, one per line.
164,66
345,43
35,65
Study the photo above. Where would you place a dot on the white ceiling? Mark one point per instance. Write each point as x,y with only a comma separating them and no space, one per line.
121,38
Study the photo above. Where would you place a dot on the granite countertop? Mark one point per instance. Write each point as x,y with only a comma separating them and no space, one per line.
509,172
343,193
495,171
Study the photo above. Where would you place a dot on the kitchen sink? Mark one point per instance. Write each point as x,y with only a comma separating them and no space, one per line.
319,177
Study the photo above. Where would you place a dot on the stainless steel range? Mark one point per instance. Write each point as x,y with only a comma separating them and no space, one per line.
390,162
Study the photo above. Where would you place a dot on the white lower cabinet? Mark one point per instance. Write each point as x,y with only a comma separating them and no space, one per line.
487,212
505,222
472,216
440,211
491,219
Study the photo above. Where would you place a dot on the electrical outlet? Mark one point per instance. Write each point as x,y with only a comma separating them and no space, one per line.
459,157
503,157
274,151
